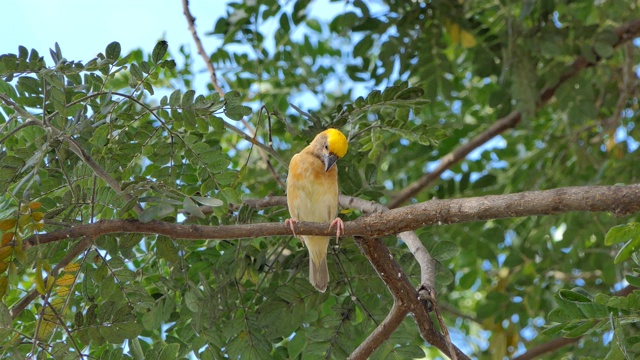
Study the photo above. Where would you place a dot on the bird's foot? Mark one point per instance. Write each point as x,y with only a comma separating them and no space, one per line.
291,223
339,224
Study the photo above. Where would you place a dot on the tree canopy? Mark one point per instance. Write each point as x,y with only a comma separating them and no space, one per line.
490,192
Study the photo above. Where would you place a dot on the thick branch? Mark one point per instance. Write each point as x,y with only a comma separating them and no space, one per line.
427,266
619,200
381,333
625,33
405,296
453,157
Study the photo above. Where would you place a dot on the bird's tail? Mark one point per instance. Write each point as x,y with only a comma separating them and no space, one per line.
318,270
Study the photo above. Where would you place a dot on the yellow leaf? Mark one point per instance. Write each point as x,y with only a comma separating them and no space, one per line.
24,219
35,205
46,329
453,30
18,253
7,224
39,280
4,284
3,266
37,216
63,291
50,282
57,304
610,143
66,280
5,252
72,267
467,40
7,238
39,226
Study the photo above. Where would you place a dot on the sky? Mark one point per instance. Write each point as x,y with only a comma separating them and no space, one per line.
84,28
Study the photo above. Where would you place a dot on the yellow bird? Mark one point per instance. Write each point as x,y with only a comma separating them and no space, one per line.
312,195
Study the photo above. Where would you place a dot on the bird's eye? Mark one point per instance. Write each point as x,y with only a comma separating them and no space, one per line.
326,146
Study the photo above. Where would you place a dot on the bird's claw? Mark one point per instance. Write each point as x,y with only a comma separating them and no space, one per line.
339,224
291,223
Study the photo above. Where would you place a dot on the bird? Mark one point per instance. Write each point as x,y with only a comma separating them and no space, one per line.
312,195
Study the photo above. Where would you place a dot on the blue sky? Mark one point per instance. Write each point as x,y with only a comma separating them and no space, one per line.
84,28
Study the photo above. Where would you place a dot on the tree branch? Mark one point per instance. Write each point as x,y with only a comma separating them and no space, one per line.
619,200
25,124
625,33
192,27
381,333
419,252
544,348
404,295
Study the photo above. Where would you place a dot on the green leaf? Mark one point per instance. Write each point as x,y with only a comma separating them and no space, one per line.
237,112
208,201
409,352
410,93
136,73
136,349
630,234
444,250
390,93
152,319
124,314
156,212
297,344
175,98
622,233
362,48
628,249
106,311
6,322
187,99
190,206
159,51
129,330
78,319
579,328
112,51
166,249
633,280
232,98
285,24
288,293
216,161
169,352
374,97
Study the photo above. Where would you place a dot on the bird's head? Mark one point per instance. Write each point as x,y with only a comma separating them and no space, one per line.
331,145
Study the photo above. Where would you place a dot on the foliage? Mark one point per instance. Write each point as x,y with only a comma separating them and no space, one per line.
112,138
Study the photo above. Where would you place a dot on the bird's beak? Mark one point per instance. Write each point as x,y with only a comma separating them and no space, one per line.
329,160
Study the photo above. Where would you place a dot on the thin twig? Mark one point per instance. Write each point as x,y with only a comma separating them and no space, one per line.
546,347
32,295
192,27
75,147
